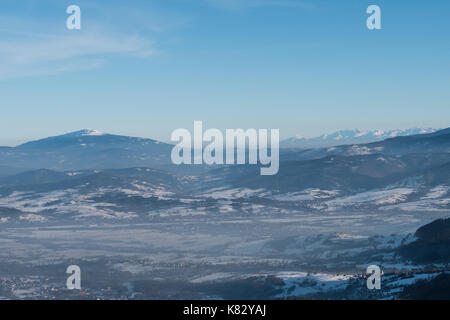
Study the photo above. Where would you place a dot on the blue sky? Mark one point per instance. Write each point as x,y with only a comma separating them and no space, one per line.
145,68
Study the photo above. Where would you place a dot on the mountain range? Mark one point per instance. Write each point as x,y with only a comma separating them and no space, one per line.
349,137
93,150
94,170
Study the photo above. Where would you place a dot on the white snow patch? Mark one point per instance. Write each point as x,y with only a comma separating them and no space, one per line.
32,218
305,195
93,133
436,192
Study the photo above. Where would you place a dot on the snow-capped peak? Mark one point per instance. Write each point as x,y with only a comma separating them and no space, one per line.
350,137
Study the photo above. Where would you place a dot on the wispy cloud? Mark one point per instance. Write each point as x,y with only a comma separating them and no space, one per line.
25,52
15,71
56,48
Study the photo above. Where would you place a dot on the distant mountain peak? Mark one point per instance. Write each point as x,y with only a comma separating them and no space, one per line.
87,149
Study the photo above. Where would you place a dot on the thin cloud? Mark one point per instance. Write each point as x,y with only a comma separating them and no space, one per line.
11,72
26,53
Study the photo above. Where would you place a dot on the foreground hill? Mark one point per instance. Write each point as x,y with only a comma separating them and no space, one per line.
432,244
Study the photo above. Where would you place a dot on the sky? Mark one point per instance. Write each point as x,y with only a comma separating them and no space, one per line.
146,68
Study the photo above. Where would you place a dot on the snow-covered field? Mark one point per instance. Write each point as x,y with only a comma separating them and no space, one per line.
312,241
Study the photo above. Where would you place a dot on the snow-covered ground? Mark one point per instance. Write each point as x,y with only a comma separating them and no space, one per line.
300,284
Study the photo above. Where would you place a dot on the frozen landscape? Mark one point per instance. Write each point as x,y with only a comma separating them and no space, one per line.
167,232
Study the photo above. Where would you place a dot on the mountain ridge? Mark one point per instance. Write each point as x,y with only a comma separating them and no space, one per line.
355,136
